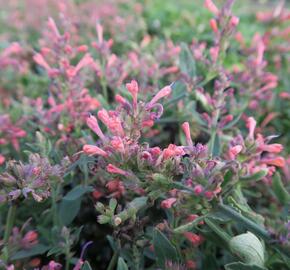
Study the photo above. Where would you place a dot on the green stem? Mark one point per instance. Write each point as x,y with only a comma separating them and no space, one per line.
113,261
8,228
222,234
188,226
54,194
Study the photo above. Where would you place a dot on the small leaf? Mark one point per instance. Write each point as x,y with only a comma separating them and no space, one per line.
163,248
256,176
279,189
113,204
68,210
242,266
36,250
54,250
77,192
187,62
216,146
121,264
86,266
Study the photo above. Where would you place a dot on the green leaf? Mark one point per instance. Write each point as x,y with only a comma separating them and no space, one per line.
36,250
68,210
163,248
86,266
248,248
243,266
77,192
187,62
54,250
216,146
279,189
113,204
121,264
256,176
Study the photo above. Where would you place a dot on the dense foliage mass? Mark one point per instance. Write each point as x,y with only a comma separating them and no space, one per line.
144,135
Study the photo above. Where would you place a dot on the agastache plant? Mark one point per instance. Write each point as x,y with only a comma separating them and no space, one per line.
144,135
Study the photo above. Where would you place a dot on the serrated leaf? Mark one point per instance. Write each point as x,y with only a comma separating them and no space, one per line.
77,192
243,266
36,250
121,264
280,191
163,248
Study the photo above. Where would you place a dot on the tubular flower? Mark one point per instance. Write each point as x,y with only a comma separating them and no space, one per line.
94,150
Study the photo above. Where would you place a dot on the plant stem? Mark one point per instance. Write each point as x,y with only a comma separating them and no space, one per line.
188,226
9,225
54,194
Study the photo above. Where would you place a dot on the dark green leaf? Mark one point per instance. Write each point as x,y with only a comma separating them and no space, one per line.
279,189
163,248
77,192
187,62
36,250
68,210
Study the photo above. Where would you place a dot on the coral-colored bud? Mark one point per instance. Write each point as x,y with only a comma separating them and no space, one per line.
251,125
172,150
53,27
133,88
113,169
235,150
82,48
94,150
213,25
198,189
168,203
148,123
190,264
97,194
214,53
2,159
211,7
161,94
92,123
118,145
278,161
120,99
272,148
186,130
193,238
234,21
